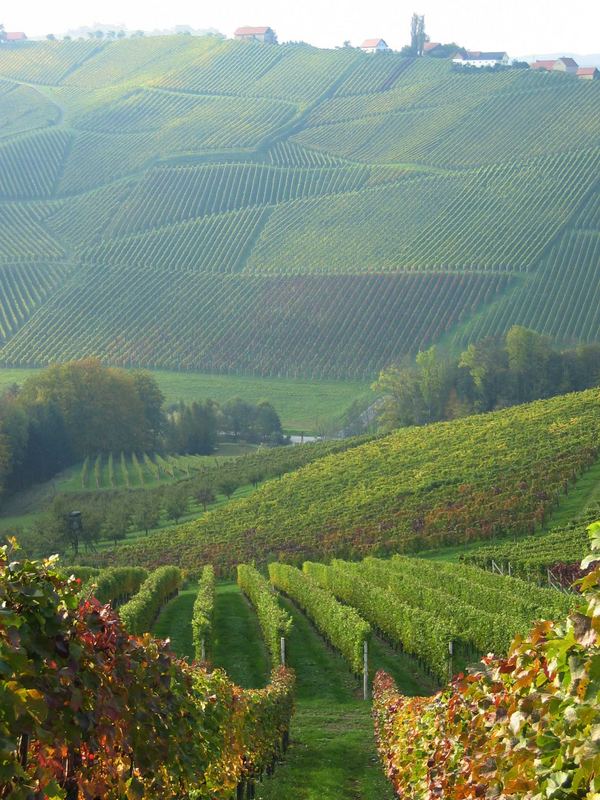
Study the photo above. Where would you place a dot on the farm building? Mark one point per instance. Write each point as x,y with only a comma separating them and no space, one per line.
476,58
588,73
565,64
546,65
13,36
263,34
568,65
431,47
375,46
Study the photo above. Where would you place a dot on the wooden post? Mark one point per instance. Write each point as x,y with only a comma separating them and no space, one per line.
203,646
450,653
282,646
366,671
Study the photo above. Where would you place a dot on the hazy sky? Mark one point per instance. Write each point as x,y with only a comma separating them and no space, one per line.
518,26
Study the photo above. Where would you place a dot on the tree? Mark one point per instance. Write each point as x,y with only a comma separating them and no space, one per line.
267,423
176,502
418,36
401,401
92,521
101,407
237,416
205,495
487,365
152,400
432,373
51,37
228,487
528,358
255,478
117,521
146,511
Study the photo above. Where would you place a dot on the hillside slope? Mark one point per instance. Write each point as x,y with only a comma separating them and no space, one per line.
414,489
223,206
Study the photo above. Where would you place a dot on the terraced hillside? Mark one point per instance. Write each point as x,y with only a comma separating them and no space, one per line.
223,206
416,489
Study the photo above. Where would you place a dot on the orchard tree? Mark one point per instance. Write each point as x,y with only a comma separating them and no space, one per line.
205,495
146,511
176,502
117,521
228,487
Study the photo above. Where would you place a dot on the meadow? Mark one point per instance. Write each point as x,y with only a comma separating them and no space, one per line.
303,405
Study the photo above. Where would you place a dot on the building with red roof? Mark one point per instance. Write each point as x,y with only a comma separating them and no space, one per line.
375,46
588,73
262,34
13,36
547,65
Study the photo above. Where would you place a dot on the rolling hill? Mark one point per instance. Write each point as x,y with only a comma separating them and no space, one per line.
221,206
416,489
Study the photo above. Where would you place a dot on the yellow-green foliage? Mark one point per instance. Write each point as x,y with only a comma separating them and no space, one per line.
475,478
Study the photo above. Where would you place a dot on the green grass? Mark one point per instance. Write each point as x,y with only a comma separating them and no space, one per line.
174,622
303,405
332,754
585,491
237,644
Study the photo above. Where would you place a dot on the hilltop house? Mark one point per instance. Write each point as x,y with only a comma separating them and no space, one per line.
13,36
567,65
476,58
263,34
588,73
431,47
545,65
375,46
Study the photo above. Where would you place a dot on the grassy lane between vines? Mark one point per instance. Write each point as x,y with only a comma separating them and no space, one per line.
332,754
237,643
175,621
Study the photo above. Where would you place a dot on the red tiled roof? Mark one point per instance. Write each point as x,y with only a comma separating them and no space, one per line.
431,46
17,36
587,70
250,31
548,64
372,42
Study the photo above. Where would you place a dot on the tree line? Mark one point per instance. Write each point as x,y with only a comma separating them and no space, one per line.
492,374
70,411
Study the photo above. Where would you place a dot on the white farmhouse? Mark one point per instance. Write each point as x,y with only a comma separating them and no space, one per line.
476,58
375,46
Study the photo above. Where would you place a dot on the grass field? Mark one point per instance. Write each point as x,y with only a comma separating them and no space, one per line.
303,405
332,754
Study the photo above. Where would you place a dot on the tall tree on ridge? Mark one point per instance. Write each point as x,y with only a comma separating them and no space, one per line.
417,34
